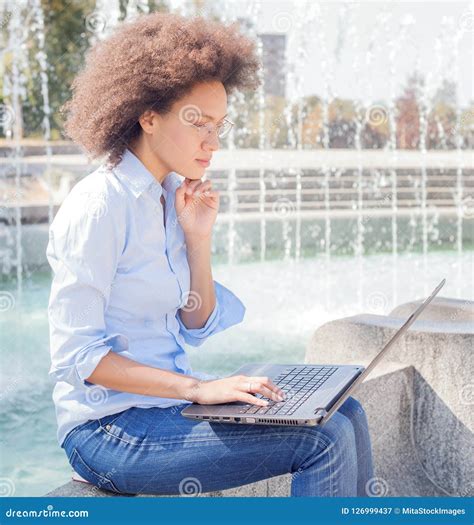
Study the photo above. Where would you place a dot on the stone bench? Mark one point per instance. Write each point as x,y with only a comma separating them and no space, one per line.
422,423
418,401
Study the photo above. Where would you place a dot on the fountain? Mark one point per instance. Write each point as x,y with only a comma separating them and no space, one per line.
326,208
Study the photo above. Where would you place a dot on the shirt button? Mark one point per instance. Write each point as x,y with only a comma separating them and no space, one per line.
108,427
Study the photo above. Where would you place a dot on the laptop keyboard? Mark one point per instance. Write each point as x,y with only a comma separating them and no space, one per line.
298,384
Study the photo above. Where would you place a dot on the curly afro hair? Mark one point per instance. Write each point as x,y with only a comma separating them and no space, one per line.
150,63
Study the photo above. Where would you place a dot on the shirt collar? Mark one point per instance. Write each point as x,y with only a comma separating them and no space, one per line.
138,178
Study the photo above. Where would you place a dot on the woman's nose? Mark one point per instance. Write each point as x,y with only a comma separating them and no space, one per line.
212,142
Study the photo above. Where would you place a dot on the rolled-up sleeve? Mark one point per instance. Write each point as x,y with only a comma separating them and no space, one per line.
228,311
85,242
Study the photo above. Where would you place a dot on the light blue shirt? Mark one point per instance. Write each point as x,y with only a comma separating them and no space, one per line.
119,278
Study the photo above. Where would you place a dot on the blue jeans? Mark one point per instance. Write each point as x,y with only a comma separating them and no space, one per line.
158,451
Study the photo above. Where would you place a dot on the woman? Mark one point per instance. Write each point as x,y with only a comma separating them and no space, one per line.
130,249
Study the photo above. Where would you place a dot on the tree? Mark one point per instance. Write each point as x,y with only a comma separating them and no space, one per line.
408,116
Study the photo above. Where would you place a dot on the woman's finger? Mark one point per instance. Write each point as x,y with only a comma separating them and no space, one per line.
267,382
256,385
266,392
203,187
192,185
248,398
260,388
213,194
179,199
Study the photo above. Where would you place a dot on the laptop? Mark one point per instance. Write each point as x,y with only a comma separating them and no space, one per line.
313,392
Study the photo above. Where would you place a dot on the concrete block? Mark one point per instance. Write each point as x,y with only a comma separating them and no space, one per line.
434,408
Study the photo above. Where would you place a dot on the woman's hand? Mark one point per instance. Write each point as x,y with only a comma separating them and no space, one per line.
196,207
235,388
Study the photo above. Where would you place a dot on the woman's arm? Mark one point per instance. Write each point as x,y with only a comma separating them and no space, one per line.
197,206
201,285
120,373
211,307
125,375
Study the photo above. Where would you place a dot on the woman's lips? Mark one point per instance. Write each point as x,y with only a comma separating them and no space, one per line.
204,163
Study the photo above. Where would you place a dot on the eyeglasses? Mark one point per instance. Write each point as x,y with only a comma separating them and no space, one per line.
206,130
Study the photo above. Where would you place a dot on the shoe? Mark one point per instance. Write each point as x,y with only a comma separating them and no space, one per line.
78,477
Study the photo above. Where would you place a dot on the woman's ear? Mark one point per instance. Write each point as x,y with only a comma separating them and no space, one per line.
148,121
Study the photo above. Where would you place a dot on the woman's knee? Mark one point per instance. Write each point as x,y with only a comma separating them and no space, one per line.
353,410
339,431
335,439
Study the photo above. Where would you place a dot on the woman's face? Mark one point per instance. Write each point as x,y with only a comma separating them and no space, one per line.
177,143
